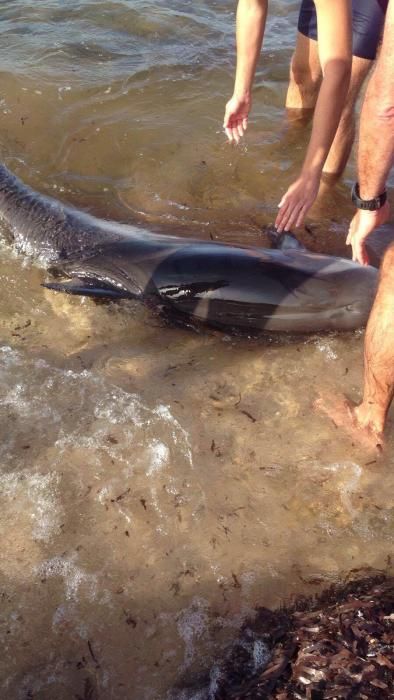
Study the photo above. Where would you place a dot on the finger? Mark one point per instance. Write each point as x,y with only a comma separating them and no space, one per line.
358,251
282,207
363,255
235,134
350,234
282,217
245,123
287,206
227,119
240,130
301,216
229,134
293,215
354,250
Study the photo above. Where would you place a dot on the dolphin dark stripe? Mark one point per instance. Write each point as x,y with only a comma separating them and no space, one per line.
232,287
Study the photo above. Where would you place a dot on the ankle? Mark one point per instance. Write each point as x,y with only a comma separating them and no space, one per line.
370,416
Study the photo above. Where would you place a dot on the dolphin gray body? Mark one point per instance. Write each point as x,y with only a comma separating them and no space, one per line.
227,286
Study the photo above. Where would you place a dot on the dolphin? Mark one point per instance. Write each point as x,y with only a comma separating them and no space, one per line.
233,287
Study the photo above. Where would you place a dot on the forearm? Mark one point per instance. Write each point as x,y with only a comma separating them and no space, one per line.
251,18
376,147
302,193
327,115
335,54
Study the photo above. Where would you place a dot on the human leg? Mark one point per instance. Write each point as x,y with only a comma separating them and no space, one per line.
304,83
367,22
344,137
379,353
305,78
305,73
365,423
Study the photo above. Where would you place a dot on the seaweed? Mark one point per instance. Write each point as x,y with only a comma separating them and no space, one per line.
338,645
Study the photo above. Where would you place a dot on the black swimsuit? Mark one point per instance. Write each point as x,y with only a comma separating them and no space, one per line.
367,23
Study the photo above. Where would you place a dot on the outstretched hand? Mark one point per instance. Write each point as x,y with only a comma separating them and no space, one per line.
294,205
236,117
362,224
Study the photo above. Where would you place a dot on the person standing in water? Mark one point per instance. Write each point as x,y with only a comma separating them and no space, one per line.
366,422
323,77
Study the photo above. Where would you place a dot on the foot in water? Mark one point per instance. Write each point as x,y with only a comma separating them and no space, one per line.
353,419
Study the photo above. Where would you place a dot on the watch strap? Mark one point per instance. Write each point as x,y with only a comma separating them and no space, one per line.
367,204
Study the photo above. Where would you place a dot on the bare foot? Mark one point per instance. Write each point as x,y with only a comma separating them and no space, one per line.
343,414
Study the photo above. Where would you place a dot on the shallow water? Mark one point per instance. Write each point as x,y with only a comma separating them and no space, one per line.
157,482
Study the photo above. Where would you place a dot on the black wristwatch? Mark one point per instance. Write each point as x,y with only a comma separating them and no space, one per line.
369,204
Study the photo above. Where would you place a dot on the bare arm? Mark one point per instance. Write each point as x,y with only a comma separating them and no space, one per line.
376,148
335,54
334,46
251,18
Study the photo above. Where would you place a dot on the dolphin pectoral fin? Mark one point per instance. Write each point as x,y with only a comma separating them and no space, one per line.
88,288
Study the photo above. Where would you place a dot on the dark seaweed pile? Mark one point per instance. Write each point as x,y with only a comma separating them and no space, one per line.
340,645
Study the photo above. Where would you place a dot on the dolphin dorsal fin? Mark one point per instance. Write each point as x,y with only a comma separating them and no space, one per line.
284,241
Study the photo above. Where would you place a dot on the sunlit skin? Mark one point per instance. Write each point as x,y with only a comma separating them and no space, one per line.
366,422
334,50
376,149
302,93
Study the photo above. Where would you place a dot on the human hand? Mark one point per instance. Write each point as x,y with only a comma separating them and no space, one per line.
295,203
362,224
236,117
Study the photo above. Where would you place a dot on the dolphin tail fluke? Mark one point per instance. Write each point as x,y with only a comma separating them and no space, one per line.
87,289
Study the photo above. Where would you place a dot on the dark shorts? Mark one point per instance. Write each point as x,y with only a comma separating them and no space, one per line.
367,22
